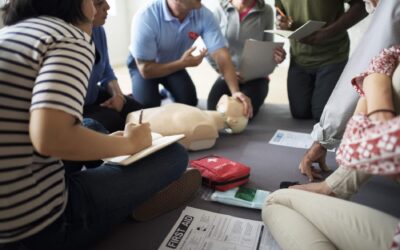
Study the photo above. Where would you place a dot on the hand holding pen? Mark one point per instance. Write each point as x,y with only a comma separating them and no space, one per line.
283,22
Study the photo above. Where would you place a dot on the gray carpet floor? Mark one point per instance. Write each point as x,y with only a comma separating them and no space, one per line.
270,164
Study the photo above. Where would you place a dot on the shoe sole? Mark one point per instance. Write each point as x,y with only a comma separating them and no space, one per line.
173,196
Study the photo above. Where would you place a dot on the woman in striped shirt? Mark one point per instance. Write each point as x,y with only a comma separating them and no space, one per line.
46,56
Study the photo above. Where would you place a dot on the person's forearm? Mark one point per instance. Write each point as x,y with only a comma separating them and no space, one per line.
113,88
378,93
230,78
56,134
355,14
150,70
226,68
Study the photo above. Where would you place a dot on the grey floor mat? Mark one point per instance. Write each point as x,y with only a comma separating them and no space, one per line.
270,165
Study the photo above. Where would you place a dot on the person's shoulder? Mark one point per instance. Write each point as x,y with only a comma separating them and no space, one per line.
264,6
99,31
204,11
46,23
149,12
99,35
150,8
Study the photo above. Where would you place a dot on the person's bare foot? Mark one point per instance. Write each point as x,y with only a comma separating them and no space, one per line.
315,187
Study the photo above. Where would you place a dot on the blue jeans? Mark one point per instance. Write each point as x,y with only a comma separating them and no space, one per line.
256,90
111,119
179,85
310,89
103,197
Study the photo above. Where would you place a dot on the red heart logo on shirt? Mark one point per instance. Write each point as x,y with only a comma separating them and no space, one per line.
193,35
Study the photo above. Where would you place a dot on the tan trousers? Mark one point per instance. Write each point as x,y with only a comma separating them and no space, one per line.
303,220
345,182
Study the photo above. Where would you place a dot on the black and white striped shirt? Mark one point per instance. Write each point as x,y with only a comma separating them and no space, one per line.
44,63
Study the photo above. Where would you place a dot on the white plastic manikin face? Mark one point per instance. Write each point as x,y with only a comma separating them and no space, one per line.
233,110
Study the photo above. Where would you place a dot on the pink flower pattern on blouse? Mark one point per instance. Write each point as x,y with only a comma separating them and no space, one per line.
385,63
371,146
396,239
374,146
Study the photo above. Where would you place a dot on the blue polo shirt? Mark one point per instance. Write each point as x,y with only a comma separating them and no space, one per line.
157,35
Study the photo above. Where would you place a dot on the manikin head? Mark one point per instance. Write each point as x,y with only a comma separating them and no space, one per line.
232,109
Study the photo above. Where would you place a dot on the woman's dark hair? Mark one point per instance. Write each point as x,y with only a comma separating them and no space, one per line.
68,10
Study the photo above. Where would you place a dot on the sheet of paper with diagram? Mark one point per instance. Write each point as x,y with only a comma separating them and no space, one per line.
306,29
293,139
198,229
158,142
257,59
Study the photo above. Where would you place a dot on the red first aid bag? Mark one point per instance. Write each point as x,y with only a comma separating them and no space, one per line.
221,173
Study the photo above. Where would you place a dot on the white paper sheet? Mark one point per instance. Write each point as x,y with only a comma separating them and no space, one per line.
158,142
198,229
291,139
200,45
257,59
306,29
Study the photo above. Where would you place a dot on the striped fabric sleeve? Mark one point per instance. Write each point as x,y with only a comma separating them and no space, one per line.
62,80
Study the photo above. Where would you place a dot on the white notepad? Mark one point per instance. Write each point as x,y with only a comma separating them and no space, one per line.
257,59
200,45
306,29
158,143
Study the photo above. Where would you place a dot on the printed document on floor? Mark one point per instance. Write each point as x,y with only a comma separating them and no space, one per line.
198,229
291,139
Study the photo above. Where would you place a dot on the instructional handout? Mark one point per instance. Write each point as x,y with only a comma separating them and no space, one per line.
257,59
292,139
198,229
158,142
200,45
306,29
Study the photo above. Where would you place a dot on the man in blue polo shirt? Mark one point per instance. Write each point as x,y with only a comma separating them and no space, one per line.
162,36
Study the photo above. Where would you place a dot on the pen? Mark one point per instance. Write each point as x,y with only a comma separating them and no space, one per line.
280,11
141,116
283,14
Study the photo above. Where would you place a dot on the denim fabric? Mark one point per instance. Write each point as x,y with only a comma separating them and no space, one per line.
310,89
178,84
111,119
94,125
75,166
103,197
102,71
256,90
